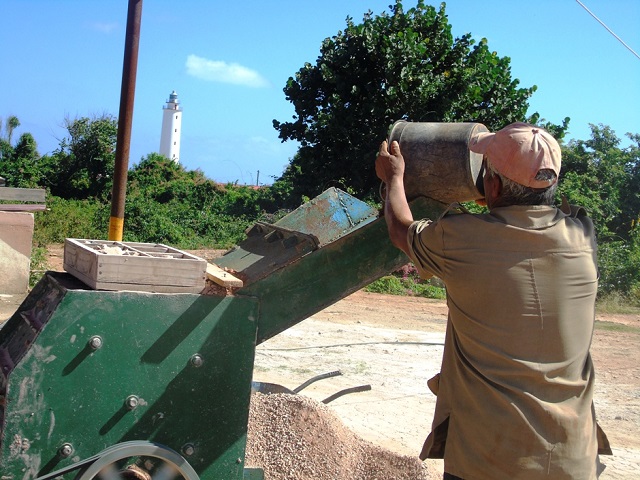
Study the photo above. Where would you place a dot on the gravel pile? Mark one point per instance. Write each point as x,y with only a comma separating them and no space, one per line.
293,437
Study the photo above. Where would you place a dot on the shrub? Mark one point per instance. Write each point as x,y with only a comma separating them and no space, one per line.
67,219
406,281
619,268
38,265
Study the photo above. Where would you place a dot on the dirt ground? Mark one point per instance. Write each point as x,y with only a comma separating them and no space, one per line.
394,344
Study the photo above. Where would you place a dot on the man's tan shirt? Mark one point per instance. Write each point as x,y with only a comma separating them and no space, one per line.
516,386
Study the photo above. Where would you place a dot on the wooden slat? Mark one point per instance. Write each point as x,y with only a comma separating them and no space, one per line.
23,194
96,285
142,270
21,207
151,273
222,277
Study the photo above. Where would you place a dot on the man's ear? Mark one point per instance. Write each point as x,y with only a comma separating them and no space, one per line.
496,186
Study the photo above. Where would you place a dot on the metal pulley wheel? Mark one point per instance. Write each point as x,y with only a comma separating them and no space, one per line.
138,460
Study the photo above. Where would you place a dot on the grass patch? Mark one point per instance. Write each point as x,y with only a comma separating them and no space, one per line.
295,370
360,367
617,327
616,303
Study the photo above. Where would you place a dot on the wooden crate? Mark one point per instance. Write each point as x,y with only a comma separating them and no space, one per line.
148,267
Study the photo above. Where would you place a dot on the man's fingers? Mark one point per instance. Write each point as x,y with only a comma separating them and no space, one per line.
383,156
383,149
395,148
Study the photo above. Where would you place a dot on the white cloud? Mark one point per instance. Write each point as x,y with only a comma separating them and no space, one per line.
104,27
219,71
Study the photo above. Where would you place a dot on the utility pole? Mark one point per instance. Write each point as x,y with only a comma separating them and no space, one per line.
125,118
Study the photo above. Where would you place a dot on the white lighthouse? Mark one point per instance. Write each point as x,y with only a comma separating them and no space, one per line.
171,128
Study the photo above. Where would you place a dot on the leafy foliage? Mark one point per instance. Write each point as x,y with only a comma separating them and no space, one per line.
82,166
402,65
605,179
397,65
406,281
66,218
619,267
167,203
21,165
38,265
12,122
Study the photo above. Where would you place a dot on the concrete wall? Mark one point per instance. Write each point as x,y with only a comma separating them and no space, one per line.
16,236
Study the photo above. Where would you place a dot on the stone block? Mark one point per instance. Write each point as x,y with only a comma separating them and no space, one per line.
16,237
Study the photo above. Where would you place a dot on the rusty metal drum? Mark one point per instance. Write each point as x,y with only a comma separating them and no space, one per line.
439,164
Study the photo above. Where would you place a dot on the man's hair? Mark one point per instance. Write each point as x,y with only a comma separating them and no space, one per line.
514,193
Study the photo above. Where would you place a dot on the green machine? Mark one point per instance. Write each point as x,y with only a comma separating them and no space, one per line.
139,385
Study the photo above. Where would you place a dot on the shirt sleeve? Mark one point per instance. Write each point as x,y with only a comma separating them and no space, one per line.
426,251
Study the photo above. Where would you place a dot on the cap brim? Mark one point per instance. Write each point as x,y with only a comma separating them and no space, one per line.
480,142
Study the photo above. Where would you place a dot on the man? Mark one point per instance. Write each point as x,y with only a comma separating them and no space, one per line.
516,385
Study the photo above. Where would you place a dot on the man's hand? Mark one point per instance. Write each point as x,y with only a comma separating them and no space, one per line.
390,166
390,169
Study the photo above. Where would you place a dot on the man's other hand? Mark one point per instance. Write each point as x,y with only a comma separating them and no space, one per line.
389,165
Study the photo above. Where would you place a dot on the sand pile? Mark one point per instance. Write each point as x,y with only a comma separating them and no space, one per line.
295,437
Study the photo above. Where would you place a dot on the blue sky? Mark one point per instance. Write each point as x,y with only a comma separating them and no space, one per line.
228,62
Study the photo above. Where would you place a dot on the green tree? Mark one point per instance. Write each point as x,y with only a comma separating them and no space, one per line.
83,165
605,179
168,204
630,196
21,165
402,65
6,150
10,126
163,180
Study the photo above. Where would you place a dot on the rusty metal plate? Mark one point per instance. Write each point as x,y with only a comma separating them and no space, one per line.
329,216
325,219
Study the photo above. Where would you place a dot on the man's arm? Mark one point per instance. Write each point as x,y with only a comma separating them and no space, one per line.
390,169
